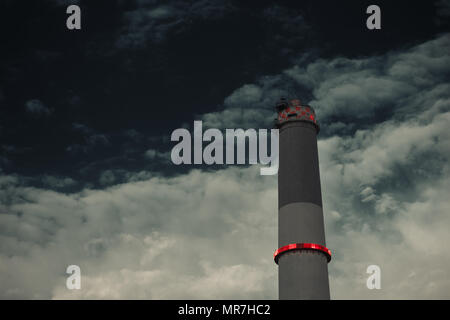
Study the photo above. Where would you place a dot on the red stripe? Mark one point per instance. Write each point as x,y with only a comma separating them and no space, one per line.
300,246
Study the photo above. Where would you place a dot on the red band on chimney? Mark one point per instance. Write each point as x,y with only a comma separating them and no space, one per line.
300,246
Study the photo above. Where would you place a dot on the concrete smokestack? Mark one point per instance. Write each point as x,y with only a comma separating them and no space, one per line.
302,255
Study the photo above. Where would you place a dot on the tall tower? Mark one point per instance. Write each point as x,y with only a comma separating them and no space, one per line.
302,256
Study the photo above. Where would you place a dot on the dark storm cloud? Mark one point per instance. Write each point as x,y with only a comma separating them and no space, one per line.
348,94
79,77
178,57
151,21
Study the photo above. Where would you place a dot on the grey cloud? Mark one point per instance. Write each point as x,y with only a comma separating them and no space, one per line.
212,234
137,231
369,223
57,182
133,134
152,20
364,87
250,106
237,118
142,25
96,139
107,177
36,107
348,92
91,139
384,180
160,12
247,95
153,154
81,128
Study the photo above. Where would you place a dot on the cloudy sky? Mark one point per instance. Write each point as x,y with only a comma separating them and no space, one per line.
85,124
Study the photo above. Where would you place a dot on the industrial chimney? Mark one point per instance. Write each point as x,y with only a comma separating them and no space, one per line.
302,256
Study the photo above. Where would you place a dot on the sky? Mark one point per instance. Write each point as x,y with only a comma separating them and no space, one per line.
86,117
